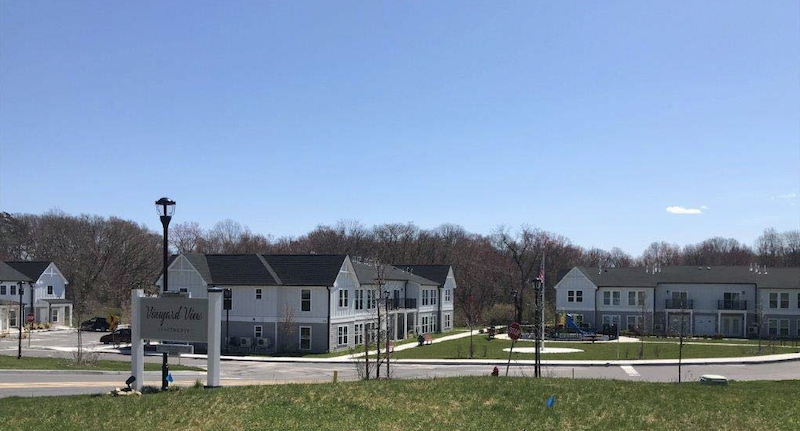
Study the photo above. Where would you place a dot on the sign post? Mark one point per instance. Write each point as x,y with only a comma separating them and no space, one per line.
514,331
176,318
137,349
214,331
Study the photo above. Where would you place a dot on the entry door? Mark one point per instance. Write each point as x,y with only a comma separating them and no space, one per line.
732,326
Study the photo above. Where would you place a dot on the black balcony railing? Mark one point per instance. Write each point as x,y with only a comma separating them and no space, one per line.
731,304
679,304
396,303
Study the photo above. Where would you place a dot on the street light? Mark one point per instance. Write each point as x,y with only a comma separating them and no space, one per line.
165,208
539,327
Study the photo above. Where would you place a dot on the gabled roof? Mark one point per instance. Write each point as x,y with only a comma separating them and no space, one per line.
436,273
367,274
266,269
32,269
8,273
639,277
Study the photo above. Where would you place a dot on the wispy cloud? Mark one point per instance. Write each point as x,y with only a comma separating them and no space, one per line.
784,197
681,210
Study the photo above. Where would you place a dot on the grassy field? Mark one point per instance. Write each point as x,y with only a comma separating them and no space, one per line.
32,363
493,349
467,403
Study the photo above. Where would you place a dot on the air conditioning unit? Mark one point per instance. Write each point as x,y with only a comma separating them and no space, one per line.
262,343
245,342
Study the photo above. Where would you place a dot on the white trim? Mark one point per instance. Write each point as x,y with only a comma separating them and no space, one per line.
260,329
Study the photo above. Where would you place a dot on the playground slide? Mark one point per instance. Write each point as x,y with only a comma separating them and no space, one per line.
569,323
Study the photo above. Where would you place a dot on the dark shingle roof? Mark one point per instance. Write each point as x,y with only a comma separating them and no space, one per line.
367,274
638,277
8,273
437,273
306,269
33,270
267,269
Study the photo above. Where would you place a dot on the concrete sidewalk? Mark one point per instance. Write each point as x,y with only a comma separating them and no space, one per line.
409,345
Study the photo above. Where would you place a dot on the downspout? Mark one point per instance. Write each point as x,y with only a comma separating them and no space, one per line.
439,317
328,337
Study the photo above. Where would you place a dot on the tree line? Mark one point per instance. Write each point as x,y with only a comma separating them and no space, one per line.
104,258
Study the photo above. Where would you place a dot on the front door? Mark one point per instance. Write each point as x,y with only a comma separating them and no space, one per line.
732,326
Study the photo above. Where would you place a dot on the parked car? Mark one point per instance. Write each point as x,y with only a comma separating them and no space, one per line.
121,335
96,324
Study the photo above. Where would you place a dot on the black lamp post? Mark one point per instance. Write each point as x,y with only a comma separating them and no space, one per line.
165,208
537,368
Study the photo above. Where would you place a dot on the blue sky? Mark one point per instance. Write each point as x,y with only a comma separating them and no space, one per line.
589,119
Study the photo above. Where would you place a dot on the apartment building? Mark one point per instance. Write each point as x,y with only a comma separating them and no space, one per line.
317,303
38,283
732,301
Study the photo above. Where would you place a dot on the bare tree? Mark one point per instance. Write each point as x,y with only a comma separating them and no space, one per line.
286,327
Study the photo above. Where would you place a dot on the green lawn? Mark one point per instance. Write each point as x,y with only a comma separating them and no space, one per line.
33,363
466,403
493,349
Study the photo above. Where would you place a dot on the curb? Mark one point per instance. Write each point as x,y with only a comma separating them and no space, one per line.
94,372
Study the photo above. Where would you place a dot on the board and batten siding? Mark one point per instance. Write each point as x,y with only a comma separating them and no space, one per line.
575,280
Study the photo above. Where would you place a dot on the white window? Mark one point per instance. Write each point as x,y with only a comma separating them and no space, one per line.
54,315
433,323
49,290
425,324
773,300
570,296
434,297
358,334
3,290
578,319
343,300
798,327
634,322
305,300
258,331
785,300
12,318
447,295
370,299
447,322
342,335
611,297
578,296
778,327
359,299
13,290
609,319
636,298
425,297
305,337
784,327
258,293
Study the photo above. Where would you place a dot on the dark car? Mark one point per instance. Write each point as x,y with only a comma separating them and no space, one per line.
122,335
96,324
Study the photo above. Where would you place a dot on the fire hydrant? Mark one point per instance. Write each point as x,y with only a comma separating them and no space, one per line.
495,372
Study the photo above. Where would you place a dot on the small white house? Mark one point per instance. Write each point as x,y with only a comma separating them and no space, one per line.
42,288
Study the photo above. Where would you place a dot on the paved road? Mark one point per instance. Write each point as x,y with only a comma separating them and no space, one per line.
14,383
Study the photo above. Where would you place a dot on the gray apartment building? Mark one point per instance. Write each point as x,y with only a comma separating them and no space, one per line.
732,301
314,302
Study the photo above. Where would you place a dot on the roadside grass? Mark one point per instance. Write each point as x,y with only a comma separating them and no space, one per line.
752,342
462,403
34,363
493,349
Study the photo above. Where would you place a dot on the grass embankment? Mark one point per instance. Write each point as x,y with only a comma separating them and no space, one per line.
34,363
468,403
493,349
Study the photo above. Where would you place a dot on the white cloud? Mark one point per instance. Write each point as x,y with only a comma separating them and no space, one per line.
784,197
703,207
681,210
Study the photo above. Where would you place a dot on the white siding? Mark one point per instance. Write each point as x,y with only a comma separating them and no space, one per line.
575,280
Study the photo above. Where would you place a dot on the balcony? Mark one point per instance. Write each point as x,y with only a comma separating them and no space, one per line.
731,304
397,303
679,304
